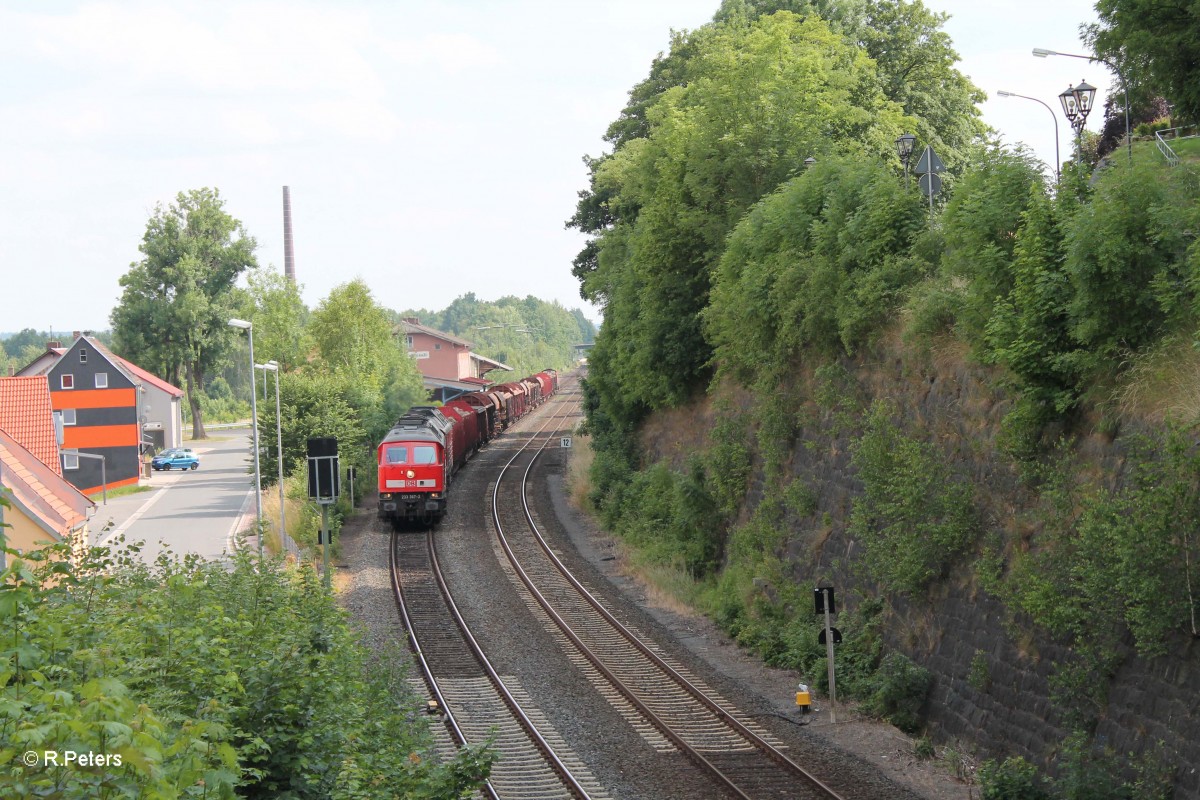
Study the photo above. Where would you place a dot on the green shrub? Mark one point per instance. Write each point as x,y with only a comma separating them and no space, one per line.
1012,779
978,677
208,679
933,307
913,517
923,748
1150,128
899,691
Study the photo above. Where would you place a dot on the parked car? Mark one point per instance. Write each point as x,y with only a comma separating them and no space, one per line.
177,457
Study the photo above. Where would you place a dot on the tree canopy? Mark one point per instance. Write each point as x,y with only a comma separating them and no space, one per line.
1156,42
760,96
173,315
527,334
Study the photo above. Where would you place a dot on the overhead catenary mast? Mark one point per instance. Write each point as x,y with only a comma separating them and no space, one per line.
289,257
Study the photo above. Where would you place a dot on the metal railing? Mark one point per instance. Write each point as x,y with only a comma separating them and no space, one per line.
1165,148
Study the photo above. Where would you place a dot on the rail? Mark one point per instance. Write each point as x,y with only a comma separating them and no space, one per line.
637,644
1164,148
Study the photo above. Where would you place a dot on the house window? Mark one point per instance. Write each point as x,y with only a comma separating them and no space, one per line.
82,356
68,381
101,380
437,347
70,459
68,416
409,340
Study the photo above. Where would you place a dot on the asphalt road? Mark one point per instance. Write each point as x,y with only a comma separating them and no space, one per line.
186,511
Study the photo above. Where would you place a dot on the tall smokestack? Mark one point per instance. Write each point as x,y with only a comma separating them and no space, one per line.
289,257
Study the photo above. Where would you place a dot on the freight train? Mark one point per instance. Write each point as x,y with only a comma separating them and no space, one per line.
426,447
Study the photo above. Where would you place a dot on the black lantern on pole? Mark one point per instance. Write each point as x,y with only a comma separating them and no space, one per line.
904,148
1070,105
1085,94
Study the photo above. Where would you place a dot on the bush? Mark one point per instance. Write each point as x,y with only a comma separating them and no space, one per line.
913,516
205,678
1011,779
900,689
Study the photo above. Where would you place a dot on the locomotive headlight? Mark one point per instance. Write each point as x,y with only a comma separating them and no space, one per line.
410,474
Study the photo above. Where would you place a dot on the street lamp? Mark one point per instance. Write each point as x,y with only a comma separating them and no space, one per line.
273,366
1057,158
1077,104
1041,52
904,148
1070,108
249,328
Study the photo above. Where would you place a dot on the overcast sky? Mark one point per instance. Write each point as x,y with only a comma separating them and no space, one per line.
432,148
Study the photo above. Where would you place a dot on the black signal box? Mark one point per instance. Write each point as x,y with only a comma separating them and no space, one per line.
819,599
323,469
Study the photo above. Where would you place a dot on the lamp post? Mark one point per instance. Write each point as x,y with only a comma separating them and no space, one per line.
273,366
249,328
1077,104
904,148
1057,158
1042,52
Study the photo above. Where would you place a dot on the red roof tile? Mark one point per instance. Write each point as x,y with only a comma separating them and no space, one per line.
42,492
26,416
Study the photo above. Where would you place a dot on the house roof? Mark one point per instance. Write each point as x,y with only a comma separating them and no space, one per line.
411,325
490,364
40,492
27,416
45,362
137,371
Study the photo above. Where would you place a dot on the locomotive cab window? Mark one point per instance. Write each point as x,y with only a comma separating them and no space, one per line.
396,455
424,454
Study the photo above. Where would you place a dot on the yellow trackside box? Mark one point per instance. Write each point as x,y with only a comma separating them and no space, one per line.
803,698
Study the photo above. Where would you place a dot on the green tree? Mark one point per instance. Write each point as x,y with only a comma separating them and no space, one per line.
280,319
1130,255
1155,41
914,516
761,98
981,222
352,332
1029,330
353,335
173,315
817,265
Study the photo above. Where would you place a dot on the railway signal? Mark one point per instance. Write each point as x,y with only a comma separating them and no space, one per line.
323,487
823,597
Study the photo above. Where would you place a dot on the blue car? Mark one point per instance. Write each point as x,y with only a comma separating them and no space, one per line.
175,458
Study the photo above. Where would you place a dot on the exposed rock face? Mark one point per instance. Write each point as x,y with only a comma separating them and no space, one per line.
993,669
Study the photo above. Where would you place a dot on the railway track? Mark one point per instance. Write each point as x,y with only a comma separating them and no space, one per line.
476,701
654,692
670,709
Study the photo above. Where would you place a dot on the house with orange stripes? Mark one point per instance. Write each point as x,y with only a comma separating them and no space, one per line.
110,412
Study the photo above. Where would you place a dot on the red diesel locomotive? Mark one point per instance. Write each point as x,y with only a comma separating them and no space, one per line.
427,446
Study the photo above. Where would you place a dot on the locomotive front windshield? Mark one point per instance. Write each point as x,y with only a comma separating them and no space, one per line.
399,454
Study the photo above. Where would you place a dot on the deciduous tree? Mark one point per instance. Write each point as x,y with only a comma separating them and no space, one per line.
173,315
1156,43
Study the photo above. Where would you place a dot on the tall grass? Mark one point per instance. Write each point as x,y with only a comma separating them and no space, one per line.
1162,382
579,468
